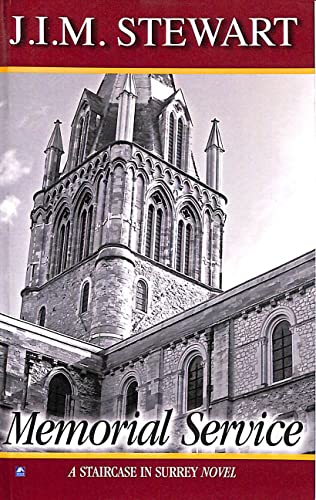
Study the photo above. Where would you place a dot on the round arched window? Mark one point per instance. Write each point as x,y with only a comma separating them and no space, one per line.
59,396
195,383
42,316
131,399
282,351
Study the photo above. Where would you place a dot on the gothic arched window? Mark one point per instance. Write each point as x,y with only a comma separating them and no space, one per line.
61,233
59,396
185,256
79,139
81,135
82,234
42,316
187,248
131,399
84,300
179,245
139,205
179,143
149,230
155,227
195,383
84,138
281,351
84,228
141,295
158,228
171,138
208,248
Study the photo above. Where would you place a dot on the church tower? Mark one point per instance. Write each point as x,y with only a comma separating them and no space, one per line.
126,234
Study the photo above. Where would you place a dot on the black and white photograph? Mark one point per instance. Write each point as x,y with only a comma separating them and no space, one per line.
156,252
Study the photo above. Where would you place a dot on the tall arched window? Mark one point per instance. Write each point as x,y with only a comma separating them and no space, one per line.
141,295
156,225
139,205
82,132
101,210
84,228
187,248
131,399
149,231
171,139
84,300
195,383
179,144
61,232
179,245
89,227
207,236
282,351
59,396
84,138
185,256
158,228
42,316
79,139
82,234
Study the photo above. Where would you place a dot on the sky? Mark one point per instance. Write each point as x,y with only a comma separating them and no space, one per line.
267,127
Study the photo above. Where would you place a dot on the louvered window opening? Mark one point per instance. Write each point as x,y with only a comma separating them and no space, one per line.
83,224
188,233
141,296
179,246
149,231
179,144
171,142
158,235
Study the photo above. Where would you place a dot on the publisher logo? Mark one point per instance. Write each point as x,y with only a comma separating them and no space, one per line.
20,471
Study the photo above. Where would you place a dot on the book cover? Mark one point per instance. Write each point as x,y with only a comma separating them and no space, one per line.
157,320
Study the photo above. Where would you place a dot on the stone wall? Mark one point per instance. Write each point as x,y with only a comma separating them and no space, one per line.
3,364
61,297
169,293
235,386
248,331
231,332
32,358
85,385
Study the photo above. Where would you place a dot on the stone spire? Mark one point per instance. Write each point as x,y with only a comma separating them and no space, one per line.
129,85
55,140
126,110
53,151
214,150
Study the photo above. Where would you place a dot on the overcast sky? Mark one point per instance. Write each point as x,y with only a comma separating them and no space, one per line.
267,127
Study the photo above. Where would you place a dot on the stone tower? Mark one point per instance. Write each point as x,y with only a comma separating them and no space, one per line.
126,234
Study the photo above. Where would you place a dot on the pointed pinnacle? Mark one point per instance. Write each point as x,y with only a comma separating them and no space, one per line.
55,140
215,137
129,85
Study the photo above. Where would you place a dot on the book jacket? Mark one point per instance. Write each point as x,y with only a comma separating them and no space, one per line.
157,322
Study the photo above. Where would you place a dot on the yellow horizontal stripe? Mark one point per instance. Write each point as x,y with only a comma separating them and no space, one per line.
185,71
140,456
